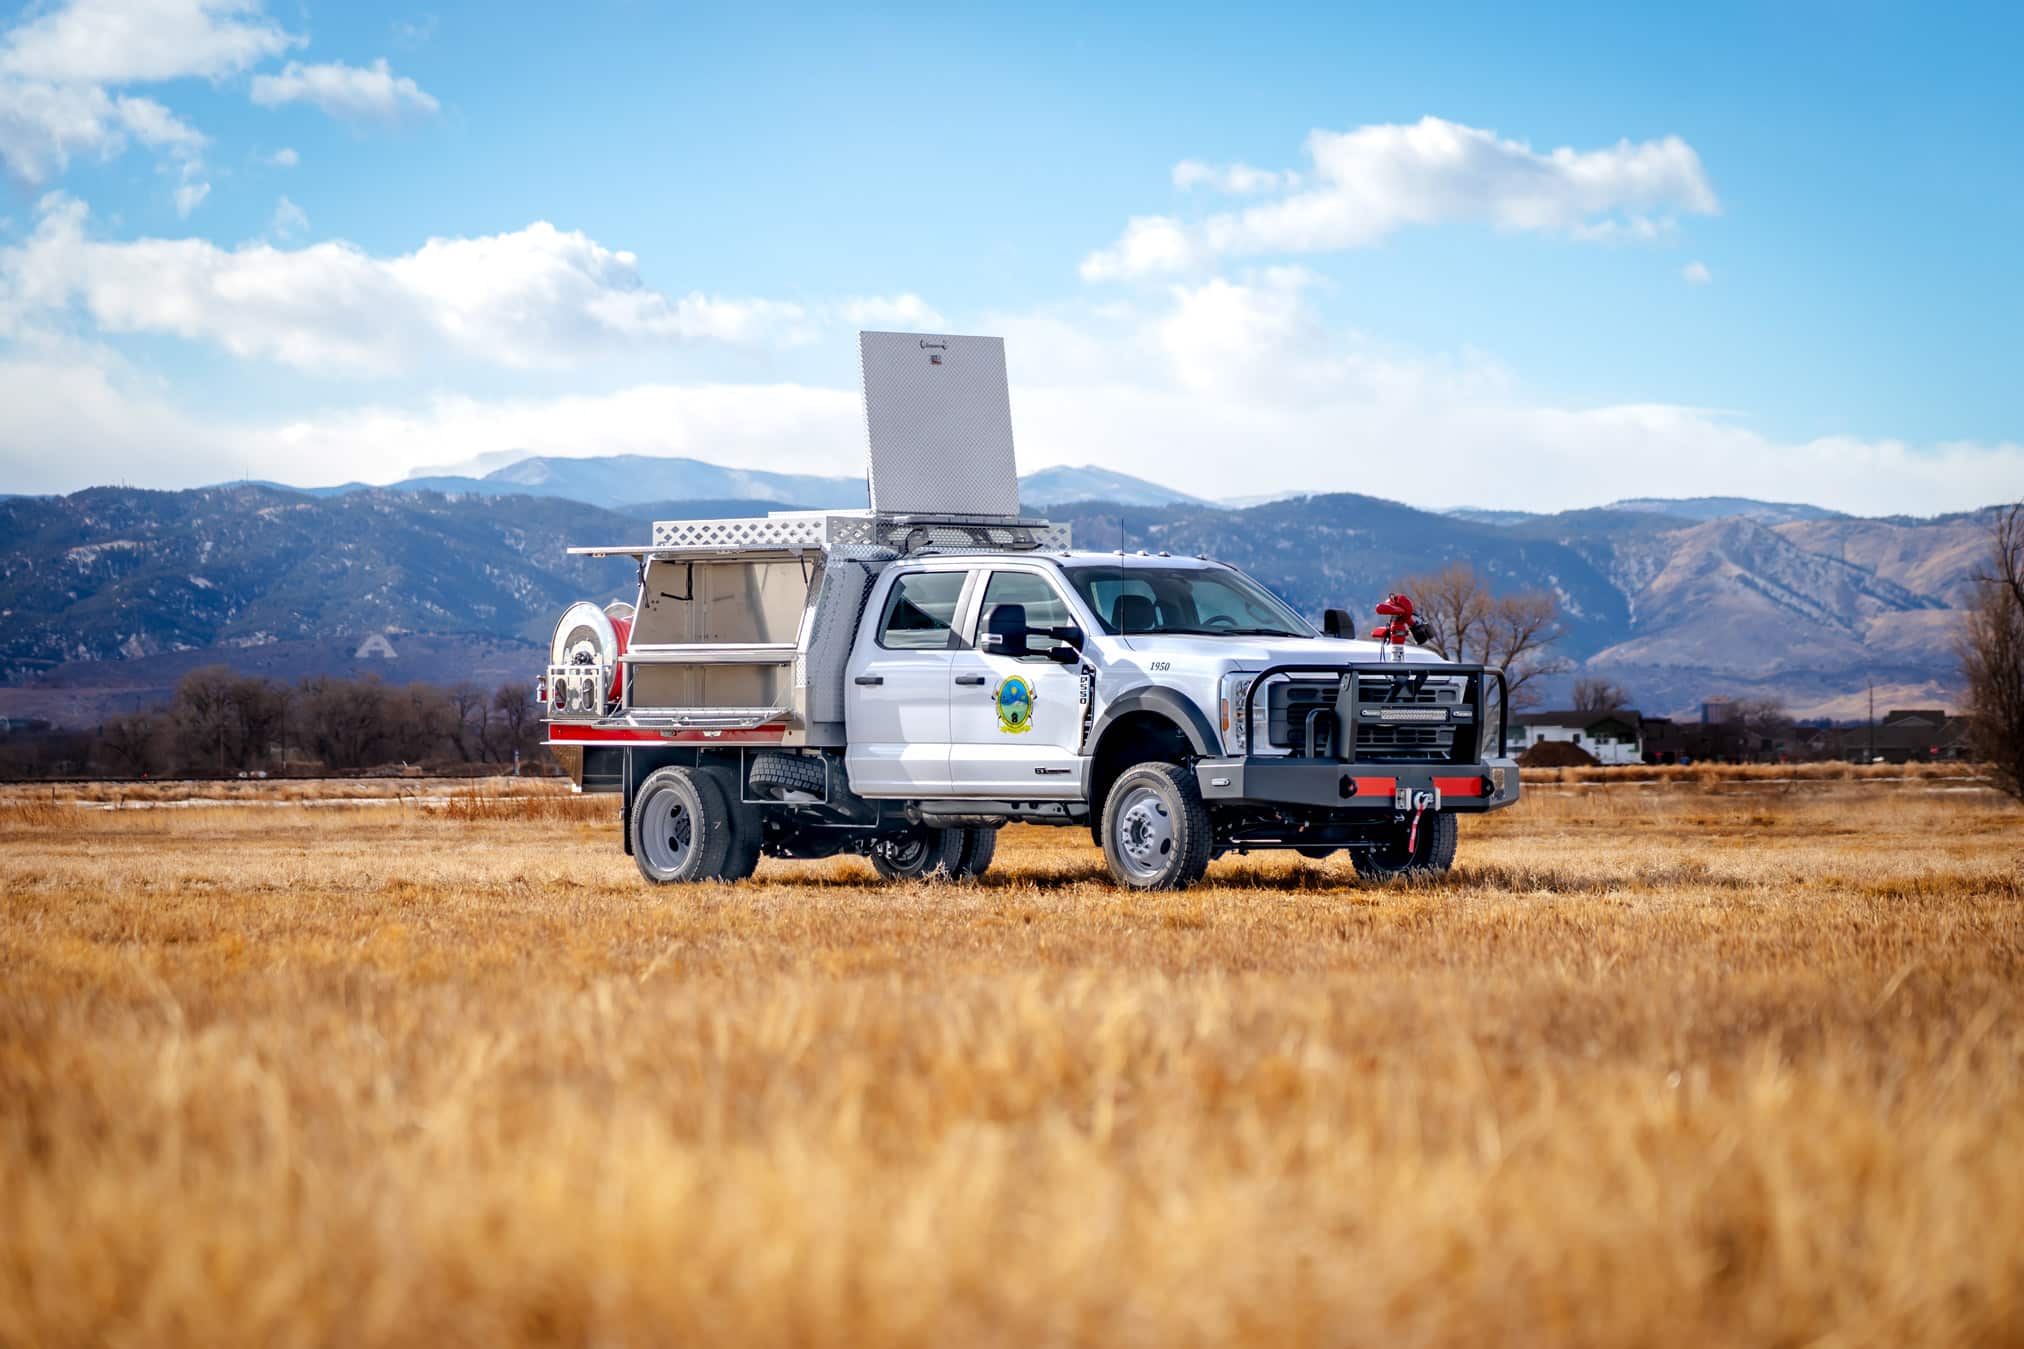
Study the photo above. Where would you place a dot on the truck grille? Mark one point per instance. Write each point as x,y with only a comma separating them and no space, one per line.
1289,704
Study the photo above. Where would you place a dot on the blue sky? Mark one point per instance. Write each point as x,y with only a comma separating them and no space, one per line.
1474,258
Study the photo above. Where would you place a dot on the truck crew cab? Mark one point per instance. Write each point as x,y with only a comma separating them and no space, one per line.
901,682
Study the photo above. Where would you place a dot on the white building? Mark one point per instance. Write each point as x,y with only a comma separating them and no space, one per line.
1610,737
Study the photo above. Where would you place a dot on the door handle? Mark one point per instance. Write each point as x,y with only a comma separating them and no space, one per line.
869,681
973,679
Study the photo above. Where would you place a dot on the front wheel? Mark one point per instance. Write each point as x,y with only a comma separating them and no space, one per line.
1399,853
1156,832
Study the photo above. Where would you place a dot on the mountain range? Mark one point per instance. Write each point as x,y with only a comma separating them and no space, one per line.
622,481
108,595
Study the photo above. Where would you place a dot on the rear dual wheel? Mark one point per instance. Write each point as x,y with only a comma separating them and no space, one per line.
690,824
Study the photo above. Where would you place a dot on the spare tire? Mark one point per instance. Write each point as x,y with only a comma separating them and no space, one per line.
779,774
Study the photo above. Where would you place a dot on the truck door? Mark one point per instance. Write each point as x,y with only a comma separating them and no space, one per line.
1015,725
896,694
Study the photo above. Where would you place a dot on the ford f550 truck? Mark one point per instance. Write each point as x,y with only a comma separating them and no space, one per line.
902,681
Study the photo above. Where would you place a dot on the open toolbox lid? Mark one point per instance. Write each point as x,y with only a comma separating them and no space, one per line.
938,421
938,415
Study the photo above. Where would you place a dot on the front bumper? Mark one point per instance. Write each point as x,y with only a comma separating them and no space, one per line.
1360,788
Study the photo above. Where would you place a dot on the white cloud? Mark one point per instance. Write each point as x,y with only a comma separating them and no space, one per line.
354,93
409,34
43,126
1237,179
284,158
155,126
55,69
110,42
189,196
76,418
1230,387
1373,181
906,313
289,219
1151,244
79,419
535,297
1696,274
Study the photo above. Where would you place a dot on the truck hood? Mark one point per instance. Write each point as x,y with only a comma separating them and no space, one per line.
1255,653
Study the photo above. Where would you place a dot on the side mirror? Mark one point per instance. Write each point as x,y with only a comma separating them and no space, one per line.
1005,631
1337,623
1068,645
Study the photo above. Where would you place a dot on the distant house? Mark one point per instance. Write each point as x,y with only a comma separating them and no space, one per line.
376,647
1907,735
1612,737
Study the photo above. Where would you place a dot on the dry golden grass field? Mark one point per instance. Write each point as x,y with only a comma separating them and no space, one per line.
1706,1061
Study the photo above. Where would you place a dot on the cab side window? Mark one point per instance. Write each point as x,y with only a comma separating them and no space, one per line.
920,613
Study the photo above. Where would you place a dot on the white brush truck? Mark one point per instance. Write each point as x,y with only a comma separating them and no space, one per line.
901,682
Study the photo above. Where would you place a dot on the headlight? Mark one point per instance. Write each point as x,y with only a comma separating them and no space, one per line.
1236,731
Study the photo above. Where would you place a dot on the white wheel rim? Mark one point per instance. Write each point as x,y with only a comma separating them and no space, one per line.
667,833
1145,832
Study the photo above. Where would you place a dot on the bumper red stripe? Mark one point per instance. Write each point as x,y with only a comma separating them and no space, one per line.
1459,786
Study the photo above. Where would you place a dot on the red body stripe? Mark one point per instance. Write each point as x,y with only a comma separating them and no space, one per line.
1459,786
1377,786
560,734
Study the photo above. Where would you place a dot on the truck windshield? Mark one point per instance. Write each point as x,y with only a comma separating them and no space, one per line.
1183,601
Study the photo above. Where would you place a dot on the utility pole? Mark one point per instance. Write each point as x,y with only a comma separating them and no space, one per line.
1872,719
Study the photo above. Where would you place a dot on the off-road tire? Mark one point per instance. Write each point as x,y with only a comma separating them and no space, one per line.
681,827
1434,854
778,774
748,830
1317,852
923,853
978,850
1156,832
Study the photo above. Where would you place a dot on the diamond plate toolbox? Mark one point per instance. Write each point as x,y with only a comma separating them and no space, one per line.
938,413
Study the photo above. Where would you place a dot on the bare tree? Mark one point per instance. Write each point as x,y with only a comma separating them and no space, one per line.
344,721
1512,633
1592,693
131,746
1991,649
469,723
1455,604
259,711
514,706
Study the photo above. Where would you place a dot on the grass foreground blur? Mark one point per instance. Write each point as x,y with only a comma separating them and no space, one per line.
1707,1060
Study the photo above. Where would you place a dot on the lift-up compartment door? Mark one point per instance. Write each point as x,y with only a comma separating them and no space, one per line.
938,412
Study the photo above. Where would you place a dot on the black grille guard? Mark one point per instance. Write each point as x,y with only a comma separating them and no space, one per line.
1476,679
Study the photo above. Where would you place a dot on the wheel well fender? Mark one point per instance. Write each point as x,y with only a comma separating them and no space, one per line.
1165,704
1150,724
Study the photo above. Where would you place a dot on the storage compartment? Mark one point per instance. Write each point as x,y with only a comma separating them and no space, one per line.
696,686
757,602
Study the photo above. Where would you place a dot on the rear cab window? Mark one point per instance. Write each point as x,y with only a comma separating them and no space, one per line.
920,611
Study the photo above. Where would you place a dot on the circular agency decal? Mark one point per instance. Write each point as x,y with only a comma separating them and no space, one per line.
1014,700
